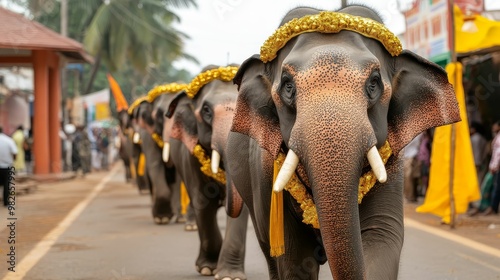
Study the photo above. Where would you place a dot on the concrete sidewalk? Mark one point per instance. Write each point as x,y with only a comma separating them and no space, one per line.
483,229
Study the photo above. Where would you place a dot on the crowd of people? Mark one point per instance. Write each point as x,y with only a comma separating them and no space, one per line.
486,153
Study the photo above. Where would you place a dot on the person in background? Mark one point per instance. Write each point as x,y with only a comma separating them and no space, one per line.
495,170
411,169
479,149
18,137
480,152
8,152
81,149
28,156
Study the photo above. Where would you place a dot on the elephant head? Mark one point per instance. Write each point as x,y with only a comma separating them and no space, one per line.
327,99
203,115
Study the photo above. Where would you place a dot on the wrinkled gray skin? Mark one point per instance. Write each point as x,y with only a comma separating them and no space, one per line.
164,185
204,120
158,118
142,181
125,150
330,98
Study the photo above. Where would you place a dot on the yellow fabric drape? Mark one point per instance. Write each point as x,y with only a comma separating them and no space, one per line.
465,185
141,166
184,199
486,35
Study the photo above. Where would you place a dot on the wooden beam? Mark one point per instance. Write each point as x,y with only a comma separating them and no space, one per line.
16,59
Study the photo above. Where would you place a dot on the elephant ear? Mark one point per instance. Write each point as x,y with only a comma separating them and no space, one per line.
256,114
422,98
180,110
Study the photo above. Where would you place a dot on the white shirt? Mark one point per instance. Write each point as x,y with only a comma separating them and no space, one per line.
7,150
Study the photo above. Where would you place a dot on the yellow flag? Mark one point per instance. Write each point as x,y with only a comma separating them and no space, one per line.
465,184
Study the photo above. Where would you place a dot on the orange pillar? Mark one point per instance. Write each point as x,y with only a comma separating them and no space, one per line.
41,114
54,110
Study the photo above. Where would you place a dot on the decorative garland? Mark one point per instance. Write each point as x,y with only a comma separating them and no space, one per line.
300,194
158,139
165,89
204,160
136,103
225,74
329,22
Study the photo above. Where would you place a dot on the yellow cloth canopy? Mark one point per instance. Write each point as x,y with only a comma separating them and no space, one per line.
483,33
465,184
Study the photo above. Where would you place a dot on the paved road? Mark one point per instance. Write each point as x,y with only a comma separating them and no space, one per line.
110,235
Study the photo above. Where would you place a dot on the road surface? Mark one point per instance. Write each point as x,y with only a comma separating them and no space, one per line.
101,228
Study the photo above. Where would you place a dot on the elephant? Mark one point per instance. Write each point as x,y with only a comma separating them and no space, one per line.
141,179
124,143
198,129
164,185
328,89
159,122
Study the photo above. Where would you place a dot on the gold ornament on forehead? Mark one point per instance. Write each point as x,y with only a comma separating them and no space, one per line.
224,74
165,89
136,103
329,22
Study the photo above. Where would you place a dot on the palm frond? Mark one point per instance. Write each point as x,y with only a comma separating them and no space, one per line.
97,30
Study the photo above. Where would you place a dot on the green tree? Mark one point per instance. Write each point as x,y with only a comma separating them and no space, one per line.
130,37
136,31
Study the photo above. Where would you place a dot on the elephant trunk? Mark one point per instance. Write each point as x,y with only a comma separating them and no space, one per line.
334,159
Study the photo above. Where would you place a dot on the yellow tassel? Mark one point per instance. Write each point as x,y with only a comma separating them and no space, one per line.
132,169
141,166
276,226
184,199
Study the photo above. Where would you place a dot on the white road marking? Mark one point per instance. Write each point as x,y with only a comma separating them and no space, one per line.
453,237
42,247
478,261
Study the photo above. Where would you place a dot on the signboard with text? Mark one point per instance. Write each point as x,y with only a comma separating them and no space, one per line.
427,29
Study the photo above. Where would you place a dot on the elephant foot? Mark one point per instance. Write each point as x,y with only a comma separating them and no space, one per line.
205,270
225,274
180,219
161,220
190,227
143,191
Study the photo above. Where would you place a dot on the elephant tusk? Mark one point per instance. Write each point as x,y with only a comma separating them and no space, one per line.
136,138
166,151
215,161
286,171
377,164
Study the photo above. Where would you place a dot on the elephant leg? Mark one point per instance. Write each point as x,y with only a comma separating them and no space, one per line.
128,174
162,208
190,218
382,228
231,264
173,181
205,203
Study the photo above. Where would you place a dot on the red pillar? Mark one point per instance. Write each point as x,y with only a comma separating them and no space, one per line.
41,115
54,109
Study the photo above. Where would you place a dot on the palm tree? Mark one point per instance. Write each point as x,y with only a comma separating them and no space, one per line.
139,31
115,31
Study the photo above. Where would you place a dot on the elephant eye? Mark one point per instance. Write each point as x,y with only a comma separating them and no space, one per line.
206,113
287,90
374,87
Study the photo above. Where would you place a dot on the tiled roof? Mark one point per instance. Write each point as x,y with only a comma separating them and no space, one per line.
18,32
